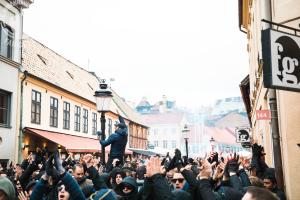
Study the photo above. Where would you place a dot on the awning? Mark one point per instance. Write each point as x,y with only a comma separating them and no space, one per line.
71,143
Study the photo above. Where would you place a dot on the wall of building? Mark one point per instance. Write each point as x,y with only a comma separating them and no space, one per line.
287,102
48,91
289,115
9,83
12,17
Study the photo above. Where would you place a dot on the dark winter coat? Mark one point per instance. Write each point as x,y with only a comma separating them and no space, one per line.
40,190
133,194
118,140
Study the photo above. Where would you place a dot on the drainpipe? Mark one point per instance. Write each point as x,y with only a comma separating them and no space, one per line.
21,118
274,115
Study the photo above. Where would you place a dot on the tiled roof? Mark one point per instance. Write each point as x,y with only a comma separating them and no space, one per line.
164,118
49,66
44,63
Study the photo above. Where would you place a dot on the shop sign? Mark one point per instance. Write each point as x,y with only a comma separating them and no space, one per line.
263,115
242,134
281,60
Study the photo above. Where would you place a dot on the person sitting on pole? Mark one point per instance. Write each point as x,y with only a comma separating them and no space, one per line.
118,141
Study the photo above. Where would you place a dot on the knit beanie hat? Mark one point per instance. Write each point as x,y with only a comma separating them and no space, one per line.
8,188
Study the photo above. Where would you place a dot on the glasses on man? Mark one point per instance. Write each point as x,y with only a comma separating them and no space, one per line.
180,180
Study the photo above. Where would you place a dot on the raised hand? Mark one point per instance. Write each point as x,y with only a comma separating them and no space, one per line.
49,166
23,195
58,164
233,164
88,160
205,169
153,167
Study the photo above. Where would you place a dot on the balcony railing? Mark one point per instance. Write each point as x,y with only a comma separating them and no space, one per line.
21,3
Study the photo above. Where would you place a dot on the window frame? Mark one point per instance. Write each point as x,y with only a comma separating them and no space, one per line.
53,112
9,40
77,114
94,123
36,104
8,95
66,115
85,117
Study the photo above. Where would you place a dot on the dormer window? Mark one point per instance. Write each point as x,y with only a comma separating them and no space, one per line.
6,40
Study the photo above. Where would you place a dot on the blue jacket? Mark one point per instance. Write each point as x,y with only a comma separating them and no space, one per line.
118,140
40,190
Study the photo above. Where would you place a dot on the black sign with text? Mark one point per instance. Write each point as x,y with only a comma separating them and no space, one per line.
281,58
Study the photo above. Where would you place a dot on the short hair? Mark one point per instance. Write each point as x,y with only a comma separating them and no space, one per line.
255,181
258,193
77,165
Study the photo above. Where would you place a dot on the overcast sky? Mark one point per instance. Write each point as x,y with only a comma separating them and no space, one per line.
189,50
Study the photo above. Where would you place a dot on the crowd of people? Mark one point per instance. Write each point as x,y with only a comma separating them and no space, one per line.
45,175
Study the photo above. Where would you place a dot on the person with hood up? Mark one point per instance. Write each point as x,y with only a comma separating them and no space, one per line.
118,141
128,189
7,190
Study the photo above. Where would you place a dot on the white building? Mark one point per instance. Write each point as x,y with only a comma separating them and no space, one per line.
166,130
11,20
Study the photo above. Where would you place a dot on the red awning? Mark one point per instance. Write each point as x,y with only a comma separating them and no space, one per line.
72,143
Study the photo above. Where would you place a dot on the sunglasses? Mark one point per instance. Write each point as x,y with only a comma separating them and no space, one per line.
180,180
127,186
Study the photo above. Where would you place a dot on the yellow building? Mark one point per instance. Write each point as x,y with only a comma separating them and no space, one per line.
257,97
58,103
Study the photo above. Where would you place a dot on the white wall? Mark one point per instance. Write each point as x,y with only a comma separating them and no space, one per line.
12,17
9,83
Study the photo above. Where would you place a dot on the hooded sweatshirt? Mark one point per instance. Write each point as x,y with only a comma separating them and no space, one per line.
8,188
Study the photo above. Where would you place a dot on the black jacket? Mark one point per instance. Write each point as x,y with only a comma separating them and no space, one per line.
118,140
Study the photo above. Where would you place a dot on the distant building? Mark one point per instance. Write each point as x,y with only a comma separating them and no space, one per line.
144,107
226,105
165,129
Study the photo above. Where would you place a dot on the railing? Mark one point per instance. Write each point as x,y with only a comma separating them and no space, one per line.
21,3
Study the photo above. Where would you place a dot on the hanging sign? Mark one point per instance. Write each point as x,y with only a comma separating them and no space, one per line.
242,134
281,60
263,115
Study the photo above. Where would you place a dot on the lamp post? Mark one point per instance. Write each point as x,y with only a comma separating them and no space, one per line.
103,101
184,133
212,143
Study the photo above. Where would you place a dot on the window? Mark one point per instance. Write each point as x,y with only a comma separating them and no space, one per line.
53,111
94,128
173,144
66,117
77,118
5,98
85,120
155,143
165,144
35,107
6,40
109,126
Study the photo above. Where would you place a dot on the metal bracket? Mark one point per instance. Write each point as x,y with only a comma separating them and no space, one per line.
280,25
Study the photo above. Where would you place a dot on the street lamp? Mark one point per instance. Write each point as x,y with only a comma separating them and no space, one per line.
103,101
185,134
212,143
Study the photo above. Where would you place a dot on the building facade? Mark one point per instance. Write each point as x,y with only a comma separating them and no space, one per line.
11,20
59,110
166,130
257,97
